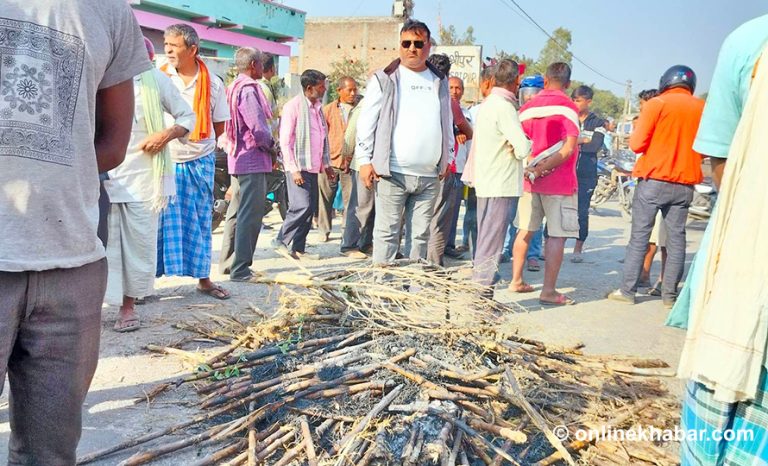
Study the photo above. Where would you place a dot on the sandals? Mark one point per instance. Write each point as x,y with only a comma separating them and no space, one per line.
215,291
562,300
127,325
521,288
533,265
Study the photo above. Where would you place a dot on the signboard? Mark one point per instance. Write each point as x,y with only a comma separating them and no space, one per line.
466,63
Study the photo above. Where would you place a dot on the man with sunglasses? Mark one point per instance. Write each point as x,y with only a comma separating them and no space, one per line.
405,143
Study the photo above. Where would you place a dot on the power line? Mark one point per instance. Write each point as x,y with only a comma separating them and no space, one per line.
563,48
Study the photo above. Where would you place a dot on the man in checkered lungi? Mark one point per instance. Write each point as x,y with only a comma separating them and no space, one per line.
184,236
724,304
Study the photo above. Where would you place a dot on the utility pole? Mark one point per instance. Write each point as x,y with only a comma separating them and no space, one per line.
628,100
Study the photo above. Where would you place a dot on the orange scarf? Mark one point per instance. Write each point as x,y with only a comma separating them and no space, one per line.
202,103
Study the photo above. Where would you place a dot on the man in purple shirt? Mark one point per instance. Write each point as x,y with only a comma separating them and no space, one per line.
249,147
304,144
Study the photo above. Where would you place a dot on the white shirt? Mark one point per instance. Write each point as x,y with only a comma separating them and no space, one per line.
181,153
463,152
418,136
132,180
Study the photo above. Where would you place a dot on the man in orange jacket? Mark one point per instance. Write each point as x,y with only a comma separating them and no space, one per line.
666,173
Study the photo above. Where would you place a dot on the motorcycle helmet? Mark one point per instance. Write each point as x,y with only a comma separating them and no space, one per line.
530,86
678,76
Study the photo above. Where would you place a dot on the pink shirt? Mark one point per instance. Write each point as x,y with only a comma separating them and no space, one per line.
288,120
547,131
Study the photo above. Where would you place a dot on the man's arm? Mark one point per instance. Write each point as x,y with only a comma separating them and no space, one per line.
555,161
288,136
718,166
254,117
366,130
113,129
641,135
460,120
175,105
512,130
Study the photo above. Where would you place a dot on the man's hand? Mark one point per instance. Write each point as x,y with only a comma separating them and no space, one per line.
345,162
461,138
297,178
445,173
368,174
154,143
330,173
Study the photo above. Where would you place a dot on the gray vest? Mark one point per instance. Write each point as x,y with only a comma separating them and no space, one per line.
388,79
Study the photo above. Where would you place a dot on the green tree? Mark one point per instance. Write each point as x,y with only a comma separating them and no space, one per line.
449,36
357,69
528,61
604,103
556,49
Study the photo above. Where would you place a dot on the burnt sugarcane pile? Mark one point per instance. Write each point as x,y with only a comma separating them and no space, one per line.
408,370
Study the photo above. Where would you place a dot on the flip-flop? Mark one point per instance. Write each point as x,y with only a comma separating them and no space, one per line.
127,325
533,266
522,288
215,291
562,300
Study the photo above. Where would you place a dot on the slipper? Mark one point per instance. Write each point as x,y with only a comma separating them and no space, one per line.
127,325
521,288
533,265
215,292
576,258
562,300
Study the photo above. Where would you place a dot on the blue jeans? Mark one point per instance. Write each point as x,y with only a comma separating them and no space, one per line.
534,248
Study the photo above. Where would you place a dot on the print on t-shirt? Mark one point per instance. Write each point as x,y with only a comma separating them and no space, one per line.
40,71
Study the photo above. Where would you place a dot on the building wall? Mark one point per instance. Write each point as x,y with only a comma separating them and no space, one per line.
326,40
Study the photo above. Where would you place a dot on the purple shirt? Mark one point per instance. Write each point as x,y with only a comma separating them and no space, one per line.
254,137
288,119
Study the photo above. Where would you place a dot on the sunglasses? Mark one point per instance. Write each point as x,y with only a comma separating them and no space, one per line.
406,44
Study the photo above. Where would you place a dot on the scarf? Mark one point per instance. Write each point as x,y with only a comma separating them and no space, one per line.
468,177
232,126
726,341
303,147
202,102
163,177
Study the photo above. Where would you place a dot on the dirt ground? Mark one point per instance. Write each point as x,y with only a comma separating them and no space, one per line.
126,369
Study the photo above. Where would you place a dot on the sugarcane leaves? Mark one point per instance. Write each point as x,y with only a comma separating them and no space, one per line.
285,345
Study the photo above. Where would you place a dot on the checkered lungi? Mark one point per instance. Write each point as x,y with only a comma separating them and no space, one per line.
702,413
184,236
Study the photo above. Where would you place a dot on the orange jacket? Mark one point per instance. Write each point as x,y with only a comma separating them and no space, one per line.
664,135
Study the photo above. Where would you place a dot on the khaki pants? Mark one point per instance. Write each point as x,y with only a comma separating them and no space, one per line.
561,212
50,323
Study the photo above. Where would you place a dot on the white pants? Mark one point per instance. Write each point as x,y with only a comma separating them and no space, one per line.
131,251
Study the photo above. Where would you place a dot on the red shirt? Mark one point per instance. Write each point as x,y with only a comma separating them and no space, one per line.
552,124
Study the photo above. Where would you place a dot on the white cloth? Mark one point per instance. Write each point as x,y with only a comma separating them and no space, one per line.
132,180
219,113
463,152
725,346
131,251
64,52
418,135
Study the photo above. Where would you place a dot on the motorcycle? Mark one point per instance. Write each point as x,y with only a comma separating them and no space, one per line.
277,193
615,179
704,197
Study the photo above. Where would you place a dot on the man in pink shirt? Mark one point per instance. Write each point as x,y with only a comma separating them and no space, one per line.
304,144
550,187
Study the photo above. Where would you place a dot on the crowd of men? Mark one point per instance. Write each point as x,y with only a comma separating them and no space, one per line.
402,156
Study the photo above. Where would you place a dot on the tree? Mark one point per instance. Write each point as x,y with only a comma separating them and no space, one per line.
556,50
528,61
449,36
357,69
604,103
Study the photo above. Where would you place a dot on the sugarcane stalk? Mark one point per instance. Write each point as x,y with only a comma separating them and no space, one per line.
518,398
216,457
348,443
309,445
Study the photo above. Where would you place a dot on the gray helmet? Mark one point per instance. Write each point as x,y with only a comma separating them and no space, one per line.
678,76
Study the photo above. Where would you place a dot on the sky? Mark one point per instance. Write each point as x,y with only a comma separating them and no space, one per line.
633,40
